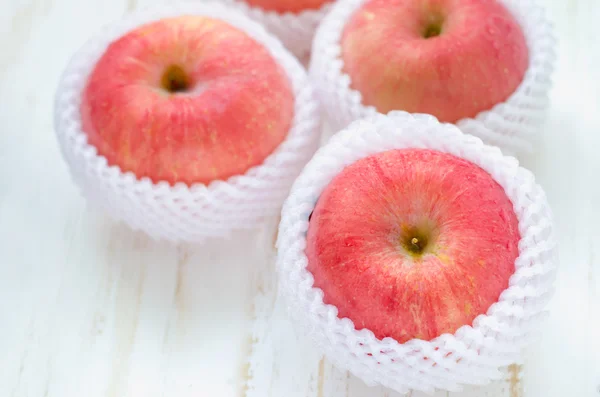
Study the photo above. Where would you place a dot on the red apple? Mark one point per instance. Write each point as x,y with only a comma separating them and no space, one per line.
412,243
188,99
293,6
449,58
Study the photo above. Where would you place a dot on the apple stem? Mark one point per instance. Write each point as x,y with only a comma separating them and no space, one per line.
415,243
175,79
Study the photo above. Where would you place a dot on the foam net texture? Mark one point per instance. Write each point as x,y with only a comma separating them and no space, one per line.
474,353
182,212
513,125
296,31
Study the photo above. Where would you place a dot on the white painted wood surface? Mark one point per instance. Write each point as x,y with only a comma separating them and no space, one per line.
89,308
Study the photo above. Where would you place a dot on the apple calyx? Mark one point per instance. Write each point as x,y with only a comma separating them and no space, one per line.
175,80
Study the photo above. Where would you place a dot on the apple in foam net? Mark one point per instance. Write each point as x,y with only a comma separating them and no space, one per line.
412,243
187,99
292,6
449,58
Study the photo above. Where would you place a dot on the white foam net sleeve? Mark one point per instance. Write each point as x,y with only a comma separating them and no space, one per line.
513,125
295,30
182,212
474,353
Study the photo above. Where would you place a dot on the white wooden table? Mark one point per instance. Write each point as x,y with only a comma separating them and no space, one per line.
89,308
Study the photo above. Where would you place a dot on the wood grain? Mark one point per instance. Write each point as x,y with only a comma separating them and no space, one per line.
89,307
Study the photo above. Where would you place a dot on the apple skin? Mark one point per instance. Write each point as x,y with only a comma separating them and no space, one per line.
292,6
477,61
361,230
235,108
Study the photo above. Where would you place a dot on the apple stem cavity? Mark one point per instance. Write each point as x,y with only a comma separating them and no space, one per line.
432,30
175,80
414,241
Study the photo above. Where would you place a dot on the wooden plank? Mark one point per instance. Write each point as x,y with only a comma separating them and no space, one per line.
91,308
